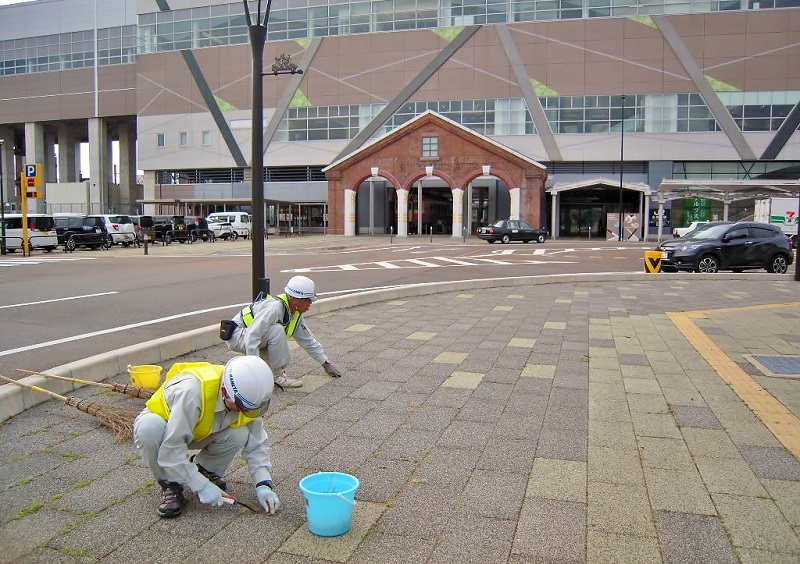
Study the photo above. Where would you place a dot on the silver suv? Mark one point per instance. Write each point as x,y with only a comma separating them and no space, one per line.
120,228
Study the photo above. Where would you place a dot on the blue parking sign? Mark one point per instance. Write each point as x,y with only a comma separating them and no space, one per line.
30,170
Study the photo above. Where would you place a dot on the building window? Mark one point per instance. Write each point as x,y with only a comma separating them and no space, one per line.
430,147
184,139
206,138
161,140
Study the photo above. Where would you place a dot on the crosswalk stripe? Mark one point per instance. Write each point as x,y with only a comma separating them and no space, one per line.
423,263
455,261
387,264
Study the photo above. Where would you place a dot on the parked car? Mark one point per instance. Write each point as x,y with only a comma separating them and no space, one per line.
682,231
241,222
728,246
41,232
221,230
198,228
120,228
75,230
507,230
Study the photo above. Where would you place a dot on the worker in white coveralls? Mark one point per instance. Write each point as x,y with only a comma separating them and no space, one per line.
218,410
264,327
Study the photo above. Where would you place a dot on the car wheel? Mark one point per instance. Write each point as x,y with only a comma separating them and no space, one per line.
541,238
69,245
778,265
506,239
708,263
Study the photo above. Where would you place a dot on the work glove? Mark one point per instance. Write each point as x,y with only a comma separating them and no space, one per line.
211,495
268,499
331,369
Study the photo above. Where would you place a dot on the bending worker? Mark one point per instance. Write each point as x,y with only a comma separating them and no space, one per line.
263,327
216,409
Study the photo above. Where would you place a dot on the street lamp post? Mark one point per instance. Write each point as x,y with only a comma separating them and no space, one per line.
621,161
258,38
2,205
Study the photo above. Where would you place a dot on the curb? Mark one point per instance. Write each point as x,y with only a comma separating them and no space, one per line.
15,399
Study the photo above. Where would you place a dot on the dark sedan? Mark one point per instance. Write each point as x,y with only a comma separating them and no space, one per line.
728,246
507,230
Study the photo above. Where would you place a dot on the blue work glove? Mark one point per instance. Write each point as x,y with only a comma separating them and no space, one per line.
268,499
331,369
210,495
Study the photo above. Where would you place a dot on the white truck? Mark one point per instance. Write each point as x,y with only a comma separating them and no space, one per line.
781,212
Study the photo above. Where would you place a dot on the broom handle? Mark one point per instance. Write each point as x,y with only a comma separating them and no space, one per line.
36,388
78,380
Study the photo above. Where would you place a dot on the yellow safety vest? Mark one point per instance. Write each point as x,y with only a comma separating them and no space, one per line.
209,376
247,316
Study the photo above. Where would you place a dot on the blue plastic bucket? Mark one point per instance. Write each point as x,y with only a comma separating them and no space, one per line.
330,498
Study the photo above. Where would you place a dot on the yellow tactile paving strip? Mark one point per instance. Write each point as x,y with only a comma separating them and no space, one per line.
777,418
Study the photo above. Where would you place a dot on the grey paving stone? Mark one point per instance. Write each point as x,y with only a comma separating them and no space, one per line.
771,462
689,538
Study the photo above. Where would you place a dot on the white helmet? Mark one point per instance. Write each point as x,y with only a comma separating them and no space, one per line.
301,287
248,383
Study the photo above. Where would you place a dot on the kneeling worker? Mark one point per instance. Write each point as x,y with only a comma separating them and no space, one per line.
263,327
218,410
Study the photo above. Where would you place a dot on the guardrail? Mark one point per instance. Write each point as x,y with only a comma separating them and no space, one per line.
32,246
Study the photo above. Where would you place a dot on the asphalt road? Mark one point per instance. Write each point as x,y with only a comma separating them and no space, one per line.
60,307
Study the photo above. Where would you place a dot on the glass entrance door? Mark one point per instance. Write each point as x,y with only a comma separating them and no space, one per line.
580,220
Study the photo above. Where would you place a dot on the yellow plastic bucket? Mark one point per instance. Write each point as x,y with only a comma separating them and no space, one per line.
145,375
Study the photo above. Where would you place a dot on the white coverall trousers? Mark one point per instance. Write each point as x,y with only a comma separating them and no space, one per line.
274,349
216,450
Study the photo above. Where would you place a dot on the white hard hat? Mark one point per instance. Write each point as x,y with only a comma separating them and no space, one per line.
248,382
301,287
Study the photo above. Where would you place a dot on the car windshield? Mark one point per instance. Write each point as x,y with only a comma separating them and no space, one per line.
708,231
499,223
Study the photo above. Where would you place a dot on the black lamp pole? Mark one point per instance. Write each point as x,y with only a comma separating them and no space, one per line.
621,161
283,65
258,37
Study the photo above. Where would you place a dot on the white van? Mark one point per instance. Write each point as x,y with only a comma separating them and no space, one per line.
41,231
241,224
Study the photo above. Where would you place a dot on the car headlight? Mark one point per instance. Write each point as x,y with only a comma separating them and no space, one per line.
685,248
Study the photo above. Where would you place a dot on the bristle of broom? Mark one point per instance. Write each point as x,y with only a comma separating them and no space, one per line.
120,421
133,391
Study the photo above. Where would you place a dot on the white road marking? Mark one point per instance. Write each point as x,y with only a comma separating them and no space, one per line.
116,329
504,252
25,261
58,300
423,263
387,264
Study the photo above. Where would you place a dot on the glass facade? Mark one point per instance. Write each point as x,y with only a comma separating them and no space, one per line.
64,51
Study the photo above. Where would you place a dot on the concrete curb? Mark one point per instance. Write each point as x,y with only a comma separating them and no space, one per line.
16,399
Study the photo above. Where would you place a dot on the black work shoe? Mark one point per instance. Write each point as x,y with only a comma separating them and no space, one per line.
172,500
215,479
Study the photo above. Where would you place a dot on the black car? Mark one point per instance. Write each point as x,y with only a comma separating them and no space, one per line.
198,228
723,245
75,231
507,230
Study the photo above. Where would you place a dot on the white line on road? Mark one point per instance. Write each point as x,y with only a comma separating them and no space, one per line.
58,300
115,329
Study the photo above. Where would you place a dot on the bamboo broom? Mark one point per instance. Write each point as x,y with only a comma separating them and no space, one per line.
128,389
120,421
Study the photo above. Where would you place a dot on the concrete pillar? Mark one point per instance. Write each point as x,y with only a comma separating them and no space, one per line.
7,166
458,211
515,203
99,170
402,213
554,212
67,153
349,212
646,215
34,153
128,189
149,192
